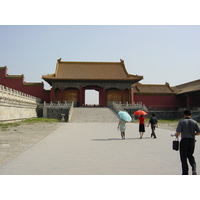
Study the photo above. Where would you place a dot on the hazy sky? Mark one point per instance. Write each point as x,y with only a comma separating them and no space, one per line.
159,53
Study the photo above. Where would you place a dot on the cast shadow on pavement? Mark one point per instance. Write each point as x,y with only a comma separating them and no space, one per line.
110,139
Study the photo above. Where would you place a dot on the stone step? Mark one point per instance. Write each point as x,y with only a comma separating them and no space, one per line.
84,115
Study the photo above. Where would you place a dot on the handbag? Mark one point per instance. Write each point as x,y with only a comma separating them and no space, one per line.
175,144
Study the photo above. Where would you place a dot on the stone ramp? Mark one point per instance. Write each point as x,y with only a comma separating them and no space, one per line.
96,115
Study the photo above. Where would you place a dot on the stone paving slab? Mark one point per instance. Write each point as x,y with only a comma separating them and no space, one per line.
97,149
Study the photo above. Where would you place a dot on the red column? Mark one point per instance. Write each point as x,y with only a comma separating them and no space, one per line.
131,96
100,97
80,96
61,95
52,94
122,96
103,102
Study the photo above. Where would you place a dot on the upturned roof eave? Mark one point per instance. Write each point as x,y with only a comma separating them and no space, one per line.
154,93
64,79
130,78
189,91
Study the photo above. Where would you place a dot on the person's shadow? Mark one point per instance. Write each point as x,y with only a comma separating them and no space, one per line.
108,139
111,139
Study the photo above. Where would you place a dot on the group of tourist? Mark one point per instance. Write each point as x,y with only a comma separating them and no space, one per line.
187,128
153,121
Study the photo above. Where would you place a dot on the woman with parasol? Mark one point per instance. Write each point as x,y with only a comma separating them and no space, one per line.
141,121
122,128
124,117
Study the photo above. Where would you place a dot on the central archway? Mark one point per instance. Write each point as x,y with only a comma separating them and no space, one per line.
91,97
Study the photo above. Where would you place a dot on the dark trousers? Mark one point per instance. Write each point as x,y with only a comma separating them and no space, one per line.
153,127
187,146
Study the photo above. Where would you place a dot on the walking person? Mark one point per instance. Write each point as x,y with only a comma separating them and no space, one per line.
188,128
141,125
154,124
122,128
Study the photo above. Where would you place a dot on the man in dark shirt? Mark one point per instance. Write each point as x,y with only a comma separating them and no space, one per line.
154,123
188,128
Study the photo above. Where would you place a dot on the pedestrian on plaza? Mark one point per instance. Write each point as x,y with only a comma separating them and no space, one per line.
141,125
122,127
188,128
154,124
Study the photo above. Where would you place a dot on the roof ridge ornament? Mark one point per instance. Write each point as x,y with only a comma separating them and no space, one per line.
167,84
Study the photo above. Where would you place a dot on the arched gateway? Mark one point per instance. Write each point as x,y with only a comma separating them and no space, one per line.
110,79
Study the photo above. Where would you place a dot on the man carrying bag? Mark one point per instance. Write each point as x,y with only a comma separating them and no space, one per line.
188,128
175,144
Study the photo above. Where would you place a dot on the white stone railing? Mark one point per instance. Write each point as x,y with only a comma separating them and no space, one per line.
15,105
138,105
117,107
71,111
9,95
58,104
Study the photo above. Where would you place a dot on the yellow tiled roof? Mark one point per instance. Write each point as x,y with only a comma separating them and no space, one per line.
33,83
91,71
15,76
153,89
188,87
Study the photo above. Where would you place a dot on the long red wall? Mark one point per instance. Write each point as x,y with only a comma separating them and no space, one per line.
17,83
157,101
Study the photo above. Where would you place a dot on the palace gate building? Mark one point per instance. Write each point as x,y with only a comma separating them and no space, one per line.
110,79
71,80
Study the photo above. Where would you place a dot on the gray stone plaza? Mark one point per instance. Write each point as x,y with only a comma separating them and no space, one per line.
97,149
